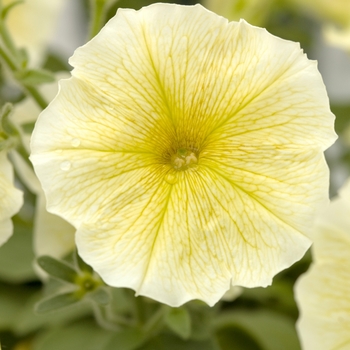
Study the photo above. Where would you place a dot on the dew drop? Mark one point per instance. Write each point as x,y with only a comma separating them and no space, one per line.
171,178
65,166
75,142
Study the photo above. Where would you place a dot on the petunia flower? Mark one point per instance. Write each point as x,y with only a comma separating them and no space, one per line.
11,198
323,293
187,151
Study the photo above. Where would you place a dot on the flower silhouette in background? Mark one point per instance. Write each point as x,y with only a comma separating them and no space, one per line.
32,24
11,198
335,15
187,151
323,293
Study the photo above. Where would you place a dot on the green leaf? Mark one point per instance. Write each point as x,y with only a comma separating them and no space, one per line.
84,334
57,269
33,77
56,302
269,330
235,338
100,296
29,321
179,321
128,339
201,319
171,342
16,255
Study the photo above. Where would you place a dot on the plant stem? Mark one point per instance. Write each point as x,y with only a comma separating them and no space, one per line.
106,321
155,323
36,95
12,58
6,38
98,12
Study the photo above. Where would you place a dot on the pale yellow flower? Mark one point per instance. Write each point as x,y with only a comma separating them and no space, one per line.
323,293
11,198
32,24
187,152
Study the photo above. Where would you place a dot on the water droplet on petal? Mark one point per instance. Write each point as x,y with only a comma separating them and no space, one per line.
65,166
171,178
75,142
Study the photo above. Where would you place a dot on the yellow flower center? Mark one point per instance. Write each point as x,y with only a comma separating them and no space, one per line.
183,159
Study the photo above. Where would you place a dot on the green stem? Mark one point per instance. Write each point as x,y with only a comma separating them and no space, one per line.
156,322
8,60
6,38
36,95
30,90
104,319
23,152
12,59
98,12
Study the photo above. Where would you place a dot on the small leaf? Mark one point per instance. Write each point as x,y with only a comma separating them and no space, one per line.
179,321
57,269
35,76
269,330
128,339
171,342
235,338
83,334
57,302
100,296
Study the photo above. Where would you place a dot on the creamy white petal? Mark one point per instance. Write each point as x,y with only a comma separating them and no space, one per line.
186,241
226,78
11,198
323,293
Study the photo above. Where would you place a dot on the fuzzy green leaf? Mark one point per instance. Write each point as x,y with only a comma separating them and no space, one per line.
179,321
100,296
34,77
129,339
57,302
57,269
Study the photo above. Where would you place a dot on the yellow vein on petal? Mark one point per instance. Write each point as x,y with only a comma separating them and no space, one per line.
160,224
256,199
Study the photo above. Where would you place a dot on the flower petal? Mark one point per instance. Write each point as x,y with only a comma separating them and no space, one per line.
322,293
323,297
236,79
11,198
